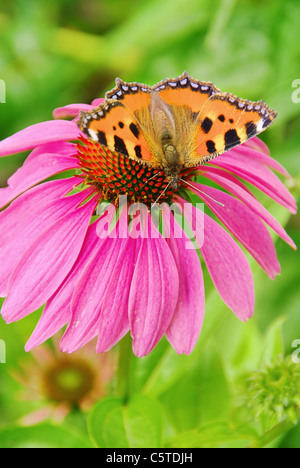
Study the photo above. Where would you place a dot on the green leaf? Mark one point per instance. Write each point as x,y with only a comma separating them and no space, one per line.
201,397
137,424
291,438
40,436
273,343
215,435
170,368
240,346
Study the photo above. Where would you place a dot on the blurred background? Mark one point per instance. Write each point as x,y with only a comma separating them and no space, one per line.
53,53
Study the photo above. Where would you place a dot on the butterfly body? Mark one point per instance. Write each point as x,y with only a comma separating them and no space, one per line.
168,130
178,123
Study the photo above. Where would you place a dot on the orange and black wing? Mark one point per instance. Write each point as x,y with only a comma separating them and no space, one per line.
186,92
114,125
225,122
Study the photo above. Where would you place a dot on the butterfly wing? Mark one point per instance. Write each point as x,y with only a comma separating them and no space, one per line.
207,122
226,121
186,92
223,121
177,104
123,122
113,124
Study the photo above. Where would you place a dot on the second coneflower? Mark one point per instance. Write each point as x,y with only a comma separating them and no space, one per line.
58,383
146,144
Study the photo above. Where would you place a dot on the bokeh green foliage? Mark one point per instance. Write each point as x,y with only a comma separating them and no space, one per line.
57,52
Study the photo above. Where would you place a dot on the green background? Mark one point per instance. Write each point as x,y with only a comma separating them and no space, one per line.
58,52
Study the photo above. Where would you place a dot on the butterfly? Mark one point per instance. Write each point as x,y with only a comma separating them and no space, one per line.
176,124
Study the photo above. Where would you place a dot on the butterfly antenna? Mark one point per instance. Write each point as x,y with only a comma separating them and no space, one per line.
153,177
201,191
165,189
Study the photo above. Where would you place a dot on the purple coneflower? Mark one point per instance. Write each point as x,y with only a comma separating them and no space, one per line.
55,249
59,383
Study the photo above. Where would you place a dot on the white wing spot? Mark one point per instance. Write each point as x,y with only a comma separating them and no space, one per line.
93,134
260,125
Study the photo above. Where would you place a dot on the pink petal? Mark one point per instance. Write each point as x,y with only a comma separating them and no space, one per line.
60,148
37,416
38,134
227,265
258,144
27,206
259,176
153,294
243,153
46,263
31,173
208,169
84,301
245,225
97,102
24,220
89,293
113,321
186,324
236,188
71,110
57,312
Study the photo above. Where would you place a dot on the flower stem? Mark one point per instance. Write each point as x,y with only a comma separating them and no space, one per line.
274,433
123,372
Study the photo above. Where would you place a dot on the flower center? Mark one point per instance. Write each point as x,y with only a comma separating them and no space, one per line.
68,381
114,174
